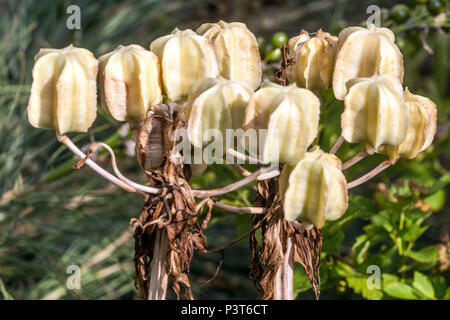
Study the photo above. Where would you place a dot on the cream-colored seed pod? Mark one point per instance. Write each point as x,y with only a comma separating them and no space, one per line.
291,117
236,50
129,82
364,53
313,60
375,112
220,106
315,190
421,128
64,90
184,56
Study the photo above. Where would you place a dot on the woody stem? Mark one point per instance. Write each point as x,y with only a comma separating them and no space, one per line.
158,275
284,279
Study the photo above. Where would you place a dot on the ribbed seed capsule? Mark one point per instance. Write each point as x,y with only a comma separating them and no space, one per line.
154,137
291,117
313,60
215,104
375,112
314,190
236,50
365,53
422,125
129,82
64,90
184,56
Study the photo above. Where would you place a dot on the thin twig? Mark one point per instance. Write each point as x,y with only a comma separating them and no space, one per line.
135,185
244,157
139,189
229,244
94,166
369,175
226,189
337,145
230,208
361,155
241,169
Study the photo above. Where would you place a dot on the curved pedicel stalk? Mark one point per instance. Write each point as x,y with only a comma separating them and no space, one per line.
359,156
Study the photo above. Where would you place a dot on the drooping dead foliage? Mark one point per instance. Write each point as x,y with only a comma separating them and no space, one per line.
275,232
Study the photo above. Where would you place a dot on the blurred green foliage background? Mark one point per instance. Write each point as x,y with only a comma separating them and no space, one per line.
52,217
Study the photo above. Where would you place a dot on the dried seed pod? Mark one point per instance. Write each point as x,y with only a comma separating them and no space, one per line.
375,112
129,82
154,137
236,50
184,56
364,53
314,190
422,125
64,90
220,106
313,60
291,117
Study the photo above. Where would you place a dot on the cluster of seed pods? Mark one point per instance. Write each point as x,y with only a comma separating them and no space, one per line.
215,74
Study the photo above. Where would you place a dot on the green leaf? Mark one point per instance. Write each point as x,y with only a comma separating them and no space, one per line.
440,286
425,255
382,220
301,281
358,282
332,236
360,248
436,200
423,285
388,279
400,290
447,294
412,232
5,294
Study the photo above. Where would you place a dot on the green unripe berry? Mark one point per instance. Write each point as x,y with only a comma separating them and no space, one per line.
435,7
273,55
400,13
279,38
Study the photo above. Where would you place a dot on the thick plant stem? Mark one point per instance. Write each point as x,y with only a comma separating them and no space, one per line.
158,275
284,279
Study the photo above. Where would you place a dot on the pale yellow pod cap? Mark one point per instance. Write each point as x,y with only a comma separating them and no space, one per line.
64,90
314,190
313,60
291,117
236,50
421,128
129,82
375,112
364,53
215,104
184,56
